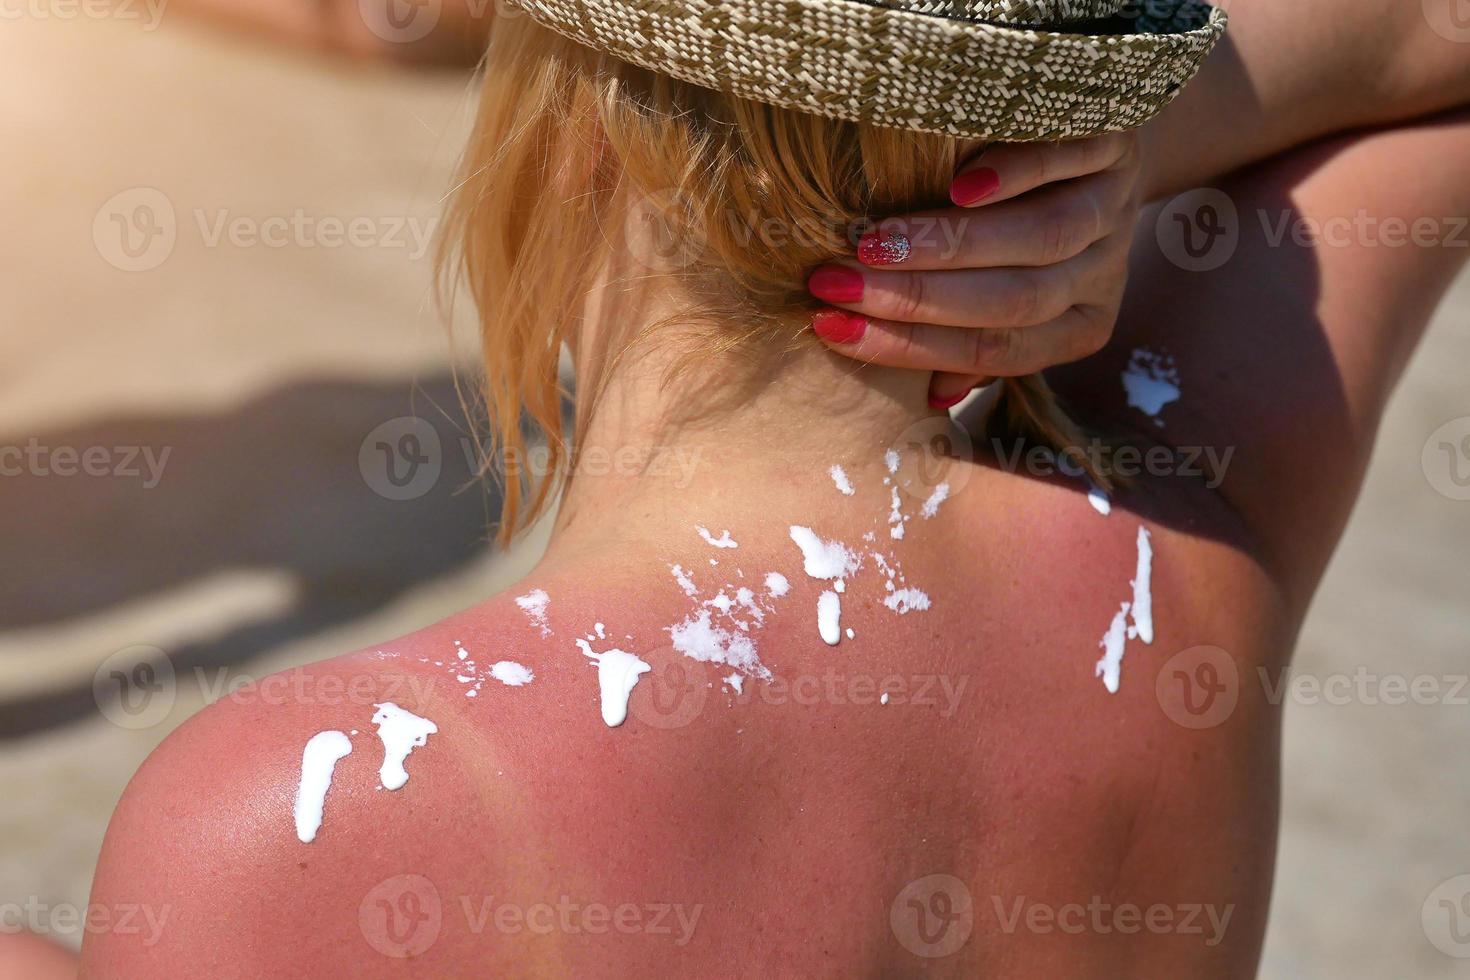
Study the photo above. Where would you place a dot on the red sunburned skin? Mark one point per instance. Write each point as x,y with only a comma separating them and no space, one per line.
887,248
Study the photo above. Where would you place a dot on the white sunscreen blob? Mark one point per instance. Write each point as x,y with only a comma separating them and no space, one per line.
686,582
699,638
401,732
318,762
895,516
939,496
723,541
1099,500
829,617
890,460
902,601
823,559
1109,667
1143,600
777,585
839,478
1151,382
884,698
737,682
617,674
534,604
511,674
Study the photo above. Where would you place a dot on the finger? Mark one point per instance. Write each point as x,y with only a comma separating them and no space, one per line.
1077,333
1004,170
946,390
1043,228
1004,297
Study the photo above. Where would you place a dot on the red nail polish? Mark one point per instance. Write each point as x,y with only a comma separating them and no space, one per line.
839,326
836,284
947,403
883,248
974,186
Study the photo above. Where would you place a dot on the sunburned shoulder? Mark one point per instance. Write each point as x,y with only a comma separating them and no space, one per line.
303,824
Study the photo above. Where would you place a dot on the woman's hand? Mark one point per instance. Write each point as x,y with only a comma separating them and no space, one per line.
1027,271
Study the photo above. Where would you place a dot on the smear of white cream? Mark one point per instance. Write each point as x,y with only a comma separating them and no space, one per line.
617,674
686,582
902,601
401,732
895,516
829,617
823,559
1143,600
1099,500
1113,642
698,637
890,460
511,674
939,496
534,603
318,762
839,477
1151,381
777,585
850,633
723,541
737,682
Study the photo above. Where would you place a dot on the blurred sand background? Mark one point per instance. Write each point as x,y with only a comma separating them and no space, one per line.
265,369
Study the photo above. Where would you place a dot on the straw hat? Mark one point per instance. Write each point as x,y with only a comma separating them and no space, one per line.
989,69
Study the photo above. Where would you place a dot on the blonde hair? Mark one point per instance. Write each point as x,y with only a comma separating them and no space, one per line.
569,142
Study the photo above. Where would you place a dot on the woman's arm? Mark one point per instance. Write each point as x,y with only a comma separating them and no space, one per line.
1289,340
1289,73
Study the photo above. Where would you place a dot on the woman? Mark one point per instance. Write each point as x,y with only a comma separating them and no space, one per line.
773,702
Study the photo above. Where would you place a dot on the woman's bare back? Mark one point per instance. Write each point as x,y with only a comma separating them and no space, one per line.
1001,813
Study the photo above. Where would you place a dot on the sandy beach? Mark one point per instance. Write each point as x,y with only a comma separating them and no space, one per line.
219,282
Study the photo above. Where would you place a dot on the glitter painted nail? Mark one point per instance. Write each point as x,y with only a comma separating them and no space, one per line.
887,248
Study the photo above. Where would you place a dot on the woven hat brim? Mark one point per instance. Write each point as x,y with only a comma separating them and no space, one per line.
851,60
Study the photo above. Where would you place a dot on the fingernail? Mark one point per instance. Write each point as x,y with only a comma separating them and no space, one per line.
883,248
947,403
839,326
974,186
836,284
